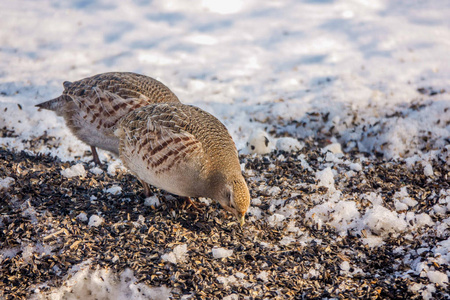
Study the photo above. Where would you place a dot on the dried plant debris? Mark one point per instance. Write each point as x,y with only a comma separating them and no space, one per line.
295,245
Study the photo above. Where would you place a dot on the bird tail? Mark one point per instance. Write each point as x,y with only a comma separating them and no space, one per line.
55,104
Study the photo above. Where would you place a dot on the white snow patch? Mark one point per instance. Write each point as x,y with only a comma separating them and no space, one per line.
259,142
226,280
224,8
334,148
231,297
286,240
428,170
342,215
288,144
355,167
382,221
95,221
88,284
96,170
427,294
326,178
276,220
255,211
345,267
263,275
152,201
82,217
373,241
6,183
115,190
74,171
115,166
402,199
221,252
438,277
8,253
273,191
178,254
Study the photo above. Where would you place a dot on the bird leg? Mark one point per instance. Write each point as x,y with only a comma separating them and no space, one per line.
146,187
95,155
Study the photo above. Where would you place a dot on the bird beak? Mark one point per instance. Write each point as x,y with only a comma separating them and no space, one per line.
241,219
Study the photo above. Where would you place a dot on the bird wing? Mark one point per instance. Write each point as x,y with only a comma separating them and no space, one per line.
105,98
125,85
157,136
103,108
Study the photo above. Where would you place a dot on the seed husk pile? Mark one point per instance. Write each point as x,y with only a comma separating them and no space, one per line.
41,210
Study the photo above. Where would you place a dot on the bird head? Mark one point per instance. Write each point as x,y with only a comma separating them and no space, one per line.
235,197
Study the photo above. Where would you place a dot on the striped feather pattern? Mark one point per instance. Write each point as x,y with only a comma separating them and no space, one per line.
92,106
178,148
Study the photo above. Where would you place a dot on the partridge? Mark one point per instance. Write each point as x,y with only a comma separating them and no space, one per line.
185,151
92,106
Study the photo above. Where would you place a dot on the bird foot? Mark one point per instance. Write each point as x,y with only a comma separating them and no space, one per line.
189,203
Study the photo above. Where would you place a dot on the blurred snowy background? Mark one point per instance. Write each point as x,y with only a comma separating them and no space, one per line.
359,63
372,75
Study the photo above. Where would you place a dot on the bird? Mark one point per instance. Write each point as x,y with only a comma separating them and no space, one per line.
185,151
92,106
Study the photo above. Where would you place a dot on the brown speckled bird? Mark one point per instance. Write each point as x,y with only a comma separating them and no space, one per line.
92,106
185,151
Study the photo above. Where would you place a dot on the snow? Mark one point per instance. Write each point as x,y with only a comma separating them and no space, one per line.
355,166
288,144
276,220
74,171
152,201
428,170
8,253
373,75
96,170
231,297
82,217
273,191
326,178
95,221
263,275
178,255
115,166
259,142
286,240
438,277
382,221
226,280
218,252
115,190
103,284
6,183
334,148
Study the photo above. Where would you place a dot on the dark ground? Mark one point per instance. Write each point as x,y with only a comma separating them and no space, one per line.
42,206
